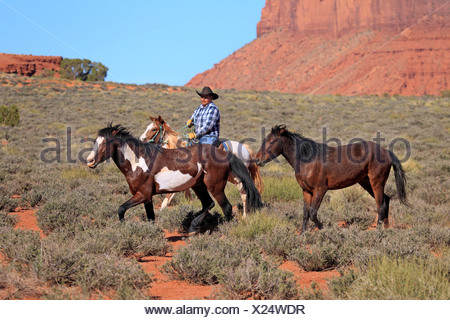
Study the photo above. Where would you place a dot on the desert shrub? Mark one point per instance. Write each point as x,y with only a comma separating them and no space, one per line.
32,197
435,236
125,239
396,278
18,285
255,224
236,264
60,213
20,247
279,241
291,212
66,263
7,203
9,115
336,247
273,232
47,73
281,188
204,258
258,280
109,271
316,258
7,220
324,249
172,218
353,205
75,209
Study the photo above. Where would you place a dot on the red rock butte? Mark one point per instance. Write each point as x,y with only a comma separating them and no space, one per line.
29,65
342,47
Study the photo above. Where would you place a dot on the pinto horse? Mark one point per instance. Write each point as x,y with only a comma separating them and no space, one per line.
151,170
159,132
319,168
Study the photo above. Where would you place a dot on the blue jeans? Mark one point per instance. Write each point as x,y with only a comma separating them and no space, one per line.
208,139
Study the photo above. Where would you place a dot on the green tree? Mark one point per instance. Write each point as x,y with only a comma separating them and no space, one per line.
84,70
98,72
9,115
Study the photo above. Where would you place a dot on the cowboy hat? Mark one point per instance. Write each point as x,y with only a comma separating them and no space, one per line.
207,91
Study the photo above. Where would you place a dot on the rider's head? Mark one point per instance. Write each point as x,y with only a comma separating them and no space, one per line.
207,95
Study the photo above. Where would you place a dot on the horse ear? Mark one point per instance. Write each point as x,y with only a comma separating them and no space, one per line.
282,128
151,118
161,120
114,132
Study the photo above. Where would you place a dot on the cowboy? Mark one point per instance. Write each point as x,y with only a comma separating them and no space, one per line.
206,119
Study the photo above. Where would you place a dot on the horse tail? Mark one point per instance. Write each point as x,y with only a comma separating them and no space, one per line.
255,173
400,178
240,171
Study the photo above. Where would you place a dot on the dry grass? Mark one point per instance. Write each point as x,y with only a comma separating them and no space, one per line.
74,201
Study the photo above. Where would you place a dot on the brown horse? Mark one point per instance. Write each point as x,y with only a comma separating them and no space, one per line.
319,168
159,131
151,170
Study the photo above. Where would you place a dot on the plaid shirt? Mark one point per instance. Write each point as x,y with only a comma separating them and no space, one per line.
206,120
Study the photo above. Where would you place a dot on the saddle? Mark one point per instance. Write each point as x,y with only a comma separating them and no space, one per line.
222,144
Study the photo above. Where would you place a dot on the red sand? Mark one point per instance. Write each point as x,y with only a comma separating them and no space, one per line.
162,287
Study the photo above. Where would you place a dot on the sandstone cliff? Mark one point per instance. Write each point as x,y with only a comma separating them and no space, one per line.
28,65
342,46
338,17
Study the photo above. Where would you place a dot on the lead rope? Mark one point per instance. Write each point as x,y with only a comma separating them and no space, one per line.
184,132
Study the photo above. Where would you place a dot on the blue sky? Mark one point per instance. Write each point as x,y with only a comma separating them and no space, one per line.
140,42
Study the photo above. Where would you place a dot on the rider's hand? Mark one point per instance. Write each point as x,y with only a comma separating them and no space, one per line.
189,123
191,135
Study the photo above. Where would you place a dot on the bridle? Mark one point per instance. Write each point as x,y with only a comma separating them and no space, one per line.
161,136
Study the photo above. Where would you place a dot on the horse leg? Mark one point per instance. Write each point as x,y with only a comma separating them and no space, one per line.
149,210
224,204
315,204
382,200
138,198
307,197
240,187
385,210
378,192
217,189
207,204
169,197
167,200
365,183
215,183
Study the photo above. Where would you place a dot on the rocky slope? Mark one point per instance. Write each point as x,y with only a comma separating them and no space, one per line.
342,47
29,65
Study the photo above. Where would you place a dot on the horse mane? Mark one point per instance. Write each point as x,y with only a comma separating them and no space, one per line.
173,136
305,149
120,132
117,131
169,130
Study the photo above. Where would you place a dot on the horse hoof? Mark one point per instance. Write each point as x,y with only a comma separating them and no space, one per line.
193,231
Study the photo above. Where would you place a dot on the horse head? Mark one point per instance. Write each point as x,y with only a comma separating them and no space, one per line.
271,146
154,131
104,145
